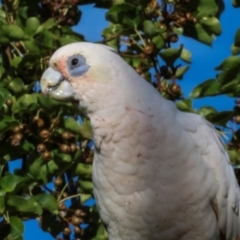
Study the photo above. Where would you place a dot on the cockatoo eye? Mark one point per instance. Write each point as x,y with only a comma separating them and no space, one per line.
74,61
77,65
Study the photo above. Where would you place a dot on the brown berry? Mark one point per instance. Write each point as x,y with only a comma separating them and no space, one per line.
44,134
175,88
18,44
18,136
73,147
194,20
173,38
148,49
189,16
15,142
61,206
40,123
17,129
58,182
139,70
77,230
76,220
66,135
237,119
142,55
182,20
9,102
64,148
143,75
41,147
62,214
162,26
79,213
66,231
46,156
89,160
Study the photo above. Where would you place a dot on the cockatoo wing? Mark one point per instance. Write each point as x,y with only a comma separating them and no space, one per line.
208,142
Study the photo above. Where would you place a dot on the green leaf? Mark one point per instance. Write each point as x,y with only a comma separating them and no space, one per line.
31,46
220,118
186,55
202,35
212,24
12,32
114,43
25,205
237,38
170,55
71,124
180,71
47,202
48,39
26,102
50,23
85,197
230,86
125,14
184,105
2,201
149,28
207,88
178,30
158,42
227,76
16,61
17,85
235,50
206,111
48,103
85,186
63,157
208,6
233,156
4,92
28,147
32,24
84,170
9,183
17,227
86,129
101,233
228,63
236,3
2,100
2,14
67,39
48,169
6,123
34,163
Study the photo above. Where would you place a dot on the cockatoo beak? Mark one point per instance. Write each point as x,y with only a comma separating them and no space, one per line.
54,84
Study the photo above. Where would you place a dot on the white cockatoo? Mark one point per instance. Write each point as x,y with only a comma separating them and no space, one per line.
158,173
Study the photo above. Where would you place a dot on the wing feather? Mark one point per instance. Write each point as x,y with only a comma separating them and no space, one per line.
211,147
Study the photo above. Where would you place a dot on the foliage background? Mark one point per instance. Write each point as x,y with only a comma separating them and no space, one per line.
30,193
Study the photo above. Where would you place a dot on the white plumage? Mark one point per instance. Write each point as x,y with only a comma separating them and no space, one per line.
158,173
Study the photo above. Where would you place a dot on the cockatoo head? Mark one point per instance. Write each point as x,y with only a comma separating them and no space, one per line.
86,72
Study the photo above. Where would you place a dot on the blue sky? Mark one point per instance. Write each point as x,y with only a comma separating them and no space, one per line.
204,60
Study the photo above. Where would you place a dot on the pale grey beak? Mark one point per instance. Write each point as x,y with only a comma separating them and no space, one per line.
55,85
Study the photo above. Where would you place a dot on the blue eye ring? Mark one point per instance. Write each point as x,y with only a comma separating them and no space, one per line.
77,65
